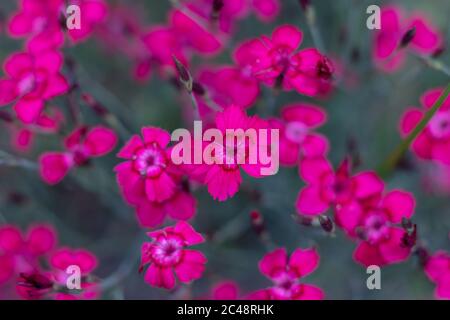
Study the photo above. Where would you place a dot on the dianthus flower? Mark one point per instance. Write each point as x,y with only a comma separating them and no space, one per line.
168,253
433,142
275,61
296,136
30,81
81,145
286,273
326,188
394,26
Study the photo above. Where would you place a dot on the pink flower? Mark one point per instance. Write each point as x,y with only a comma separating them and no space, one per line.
19,253
275,61
378,226
40,22
85,261
325,188
93,12
148,173
386,51
180,206
230,85
225,290
81,145
167,254
433,143
22,137
296,136
182,36
285,274
232,10
437,269
223,177
31,81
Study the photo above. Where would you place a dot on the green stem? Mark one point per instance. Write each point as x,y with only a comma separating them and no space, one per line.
391,162
10,160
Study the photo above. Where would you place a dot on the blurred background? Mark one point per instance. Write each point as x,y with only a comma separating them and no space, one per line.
363,118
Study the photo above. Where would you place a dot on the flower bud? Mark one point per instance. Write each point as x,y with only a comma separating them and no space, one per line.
407,37
326,223
184,75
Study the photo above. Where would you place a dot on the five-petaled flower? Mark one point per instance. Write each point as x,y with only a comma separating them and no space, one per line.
168,253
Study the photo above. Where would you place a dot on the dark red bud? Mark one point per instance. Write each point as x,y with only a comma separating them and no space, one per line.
407,37
305,4
257,221
197,88
326,223
183,73
6,116
438,52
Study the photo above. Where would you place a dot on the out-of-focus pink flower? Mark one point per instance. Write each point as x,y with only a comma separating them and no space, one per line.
285,274
386,53
86,261
41,22
230,85
296,136
327,188
378,227
122,32
168,253
437,269
22,137
20,253
275,61
31,81
229,11
225,290
81,145
180,206
93,13
180,38
433,143
436,178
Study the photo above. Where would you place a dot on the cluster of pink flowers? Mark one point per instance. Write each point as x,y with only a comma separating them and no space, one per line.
377,220
361,208
33,267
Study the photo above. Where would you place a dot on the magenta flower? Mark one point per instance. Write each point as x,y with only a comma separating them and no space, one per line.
225,290
437,269
326,188
23,136
285,275
148,173
31,81
276,61
182,36
180,206
167,254
386,53
83,259
433,143
296,137
93,13
81,145
40,22
223,177
378,226
233,10
20,253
